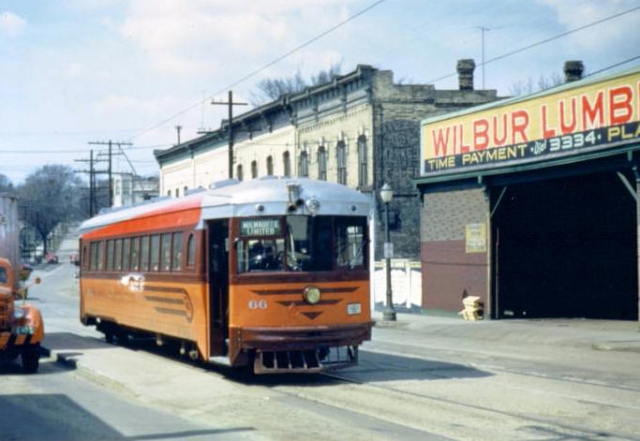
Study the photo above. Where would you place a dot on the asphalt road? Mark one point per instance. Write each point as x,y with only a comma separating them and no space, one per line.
422,379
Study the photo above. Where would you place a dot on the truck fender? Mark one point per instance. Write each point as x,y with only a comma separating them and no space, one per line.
34,318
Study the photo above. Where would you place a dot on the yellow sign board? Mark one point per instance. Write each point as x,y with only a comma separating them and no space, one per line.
592,117
476,238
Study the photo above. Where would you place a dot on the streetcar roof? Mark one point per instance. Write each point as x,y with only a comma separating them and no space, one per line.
267,196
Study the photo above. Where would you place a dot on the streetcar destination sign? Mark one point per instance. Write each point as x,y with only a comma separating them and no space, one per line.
595,116
260,227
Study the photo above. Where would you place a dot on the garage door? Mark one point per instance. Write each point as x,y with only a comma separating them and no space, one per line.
565,247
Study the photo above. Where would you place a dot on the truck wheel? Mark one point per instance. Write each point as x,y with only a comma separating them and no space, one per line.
31,358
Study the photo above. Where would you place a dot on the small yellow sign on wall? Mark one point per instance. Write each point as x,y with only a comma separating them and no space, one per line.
476,238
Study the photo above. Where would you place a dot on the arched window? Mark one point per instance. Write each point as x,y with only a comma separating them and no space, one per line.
254,169
341,156
322,163
239,172
303,166
363,173
286,160
269,165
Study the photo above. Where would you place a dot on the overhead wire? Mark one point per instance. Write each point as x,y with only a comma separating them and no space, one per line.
612,66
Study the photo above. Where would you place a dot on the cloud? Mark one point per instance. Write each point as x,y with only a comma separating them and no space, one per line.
11,25
202,36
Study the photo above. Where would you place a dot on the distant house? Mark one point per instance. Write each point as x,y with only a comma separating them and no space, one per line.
130,189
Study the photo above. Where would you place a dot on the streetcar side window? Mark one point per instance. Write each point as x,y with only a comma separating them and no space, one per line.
126,253
96,256
109,262
117,263
155,252
177,252
85,261
165,263
191,251
135,254
100,256
144,253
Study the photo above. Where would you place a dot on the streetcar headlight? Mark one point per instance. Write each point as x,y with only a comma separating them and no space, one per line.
313,205
311,295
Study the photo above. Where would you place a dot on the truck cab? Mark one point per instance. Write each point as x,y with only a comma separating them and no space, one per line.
21,325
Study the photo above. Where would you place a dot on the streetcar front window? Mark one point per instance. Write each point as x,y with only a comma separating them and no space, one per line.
302,243
260,255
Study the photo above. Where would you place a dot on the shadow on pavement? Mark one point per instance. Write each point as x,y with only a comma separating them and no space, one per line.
56,417
373,368
60,341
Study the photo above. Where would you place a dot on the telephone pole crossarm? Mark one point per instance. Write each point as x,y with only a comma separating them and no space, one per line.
230,103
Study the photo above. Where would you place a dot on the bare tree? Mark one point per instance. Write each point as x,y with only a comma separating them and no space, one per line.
271,89
529,86
48,197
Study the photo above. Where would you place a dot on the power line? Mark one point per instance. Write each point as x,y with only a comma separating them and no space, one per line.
541,42
262,69
75,151
628,60
67,132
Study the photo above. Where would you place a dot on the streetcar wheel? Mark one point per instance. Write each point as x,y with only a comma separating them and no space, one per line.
31,358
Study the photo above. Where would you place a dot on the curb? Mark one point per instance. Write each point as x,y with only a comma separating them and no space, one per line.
58,358
620,346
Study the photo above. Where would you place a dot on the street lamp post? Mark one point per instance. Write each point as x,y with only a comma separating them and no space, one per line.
386,194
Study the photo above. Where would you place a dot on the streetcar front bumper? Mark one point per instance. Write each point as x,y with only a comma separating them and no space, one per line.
303,349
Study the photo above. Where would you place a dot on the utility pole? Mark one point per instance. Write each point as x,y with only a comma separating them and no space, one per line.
110,144
230,103
92,182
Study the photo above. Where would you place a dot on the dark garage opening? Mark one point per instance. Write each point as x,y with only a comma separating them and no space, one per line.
565,247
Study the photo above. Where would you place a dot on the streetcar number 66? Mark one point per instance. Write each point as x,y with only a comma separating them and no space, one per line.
258,304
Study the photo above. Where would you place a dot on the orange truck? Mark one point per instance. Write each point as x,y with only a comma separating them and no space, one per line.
21,325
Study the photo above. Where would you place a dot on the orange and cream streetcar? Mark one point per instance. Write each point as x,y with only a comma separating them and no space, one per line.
271,273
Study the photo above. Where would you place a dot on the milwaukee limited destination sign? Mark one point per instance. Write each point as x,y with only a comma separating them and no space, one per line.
595,116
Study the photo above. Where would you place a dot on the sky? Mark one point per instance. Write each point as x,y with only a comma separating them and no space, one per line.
77,72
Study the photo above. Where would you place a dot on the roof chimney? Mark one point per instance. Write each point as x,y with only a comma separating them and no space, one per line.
573,70
465,73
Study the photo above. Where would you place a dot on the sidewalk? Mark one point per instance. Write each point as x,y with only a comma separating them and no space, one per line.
603,335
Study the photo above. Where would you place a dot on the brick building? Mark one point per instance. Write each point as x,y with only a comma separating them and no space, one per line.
361,130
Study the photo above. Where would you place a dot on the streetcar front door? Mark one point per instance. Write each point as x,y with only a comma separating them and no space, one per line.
218,249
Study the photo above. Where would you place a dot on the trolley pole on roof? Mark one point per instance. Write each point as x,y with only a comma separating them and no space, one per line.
230,105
